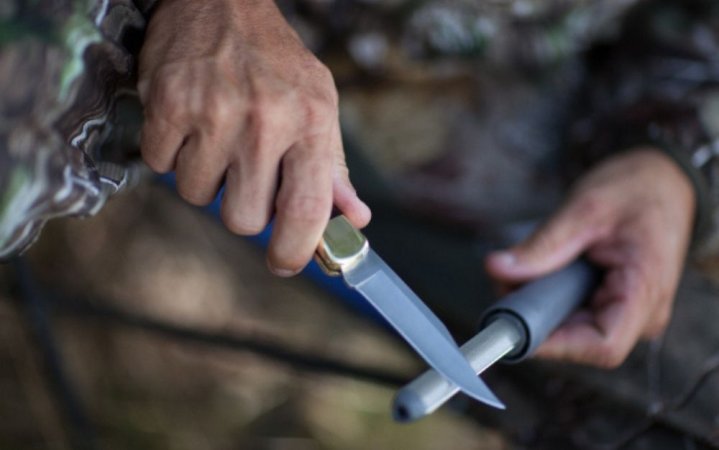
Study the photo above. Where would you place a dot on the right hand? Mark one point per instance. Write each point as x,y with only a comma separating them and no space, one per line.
232,96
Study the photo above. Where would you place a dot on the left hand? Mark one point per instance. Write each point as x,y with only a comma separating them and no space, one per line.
631,216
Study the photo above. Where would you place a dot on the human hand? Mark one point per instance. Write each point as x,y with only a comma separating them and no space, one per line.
232,96
631,216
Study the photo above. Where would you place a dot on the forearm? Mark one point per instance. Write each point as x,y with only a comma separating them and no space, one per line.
252,14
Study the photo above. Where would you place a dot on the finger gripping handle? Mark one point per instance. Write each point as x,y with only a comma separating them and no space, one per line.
540,306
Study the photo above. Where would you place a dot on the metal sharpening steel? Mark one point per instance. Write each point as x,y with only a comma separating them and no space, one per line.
512,330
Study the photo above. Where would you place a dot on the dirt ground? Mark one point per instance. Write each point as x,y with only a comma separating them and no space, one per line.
149,254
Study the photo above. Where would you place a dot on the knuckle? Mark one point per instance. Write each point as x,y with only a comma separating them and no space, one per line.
319,113
342,173
333,96
169,97
591,205
328,84
221,109
542,243
242,223
260,117
607,356
305,208
323,73
193,195
264,129
546,241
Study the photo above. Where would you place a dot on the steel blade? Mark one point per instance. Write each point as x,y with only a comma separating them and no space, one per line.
380,266
416,323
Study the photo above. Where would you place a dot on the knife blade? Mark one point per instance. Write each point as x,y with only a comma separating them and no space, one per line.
345,251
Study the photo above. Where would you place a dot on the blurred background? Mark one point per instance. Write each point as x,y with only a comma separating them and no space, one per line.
132,386
149,326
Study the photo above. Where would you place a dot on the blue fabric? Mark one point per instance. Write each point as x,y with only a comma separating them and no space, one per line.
333,285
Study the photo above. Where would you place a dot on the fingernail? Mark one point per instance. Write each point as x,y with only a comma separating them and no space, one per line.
364,206
284,273
504,258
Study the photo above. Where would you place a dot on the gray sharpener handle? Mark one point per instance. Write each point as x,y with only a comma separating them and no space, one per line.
540,306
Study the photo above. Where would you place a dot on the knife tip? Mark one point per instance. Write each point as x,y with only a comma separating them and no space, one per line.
493,401
486,396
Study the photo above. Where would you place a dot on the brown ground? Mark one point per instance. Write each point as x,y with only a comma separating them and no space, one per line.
149,253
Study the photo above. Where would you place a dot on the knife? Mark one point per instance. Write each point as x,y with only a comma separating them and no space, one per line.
344,251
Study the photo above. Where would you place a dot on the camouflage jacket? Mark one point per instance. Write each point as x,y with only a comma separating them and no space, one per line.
63,65
613,73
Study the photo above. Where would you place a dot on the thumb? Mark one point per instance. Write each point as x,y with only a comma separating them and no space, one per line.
555,244
344,194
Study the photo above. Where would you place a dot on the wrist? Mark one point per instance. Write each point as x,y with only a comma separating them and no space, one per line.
680,180
251,14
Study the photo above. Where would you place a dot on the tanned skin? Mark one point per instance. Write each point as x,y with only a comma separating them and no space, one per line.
632,216
231,95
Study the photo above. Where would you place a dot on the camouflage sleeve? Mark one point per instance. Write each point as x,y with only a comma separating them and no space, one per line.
63,65
145,6
658,84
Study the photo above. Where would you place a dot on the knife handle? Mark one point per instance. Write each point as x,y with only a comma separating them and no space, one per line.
342,246
539,307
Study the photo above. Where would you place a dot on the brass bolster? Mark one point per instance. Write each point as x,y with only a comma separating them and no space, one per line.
341,248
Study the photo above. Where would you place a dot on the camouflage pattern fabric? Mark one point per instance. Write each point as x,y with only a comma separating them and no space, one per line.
62,66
